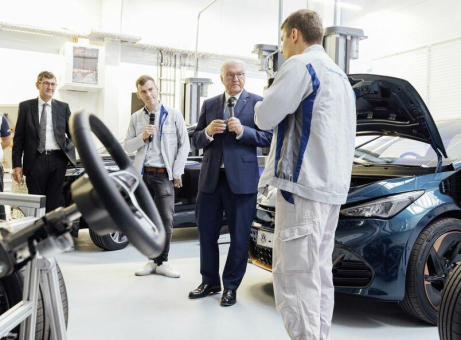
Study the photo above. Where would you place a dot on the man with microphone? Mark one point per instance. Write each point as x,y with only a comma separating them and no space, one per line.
228,180
159,137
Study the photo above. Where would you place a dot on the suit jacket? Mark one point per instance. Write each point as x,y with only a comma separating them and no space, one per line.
27,133
239,156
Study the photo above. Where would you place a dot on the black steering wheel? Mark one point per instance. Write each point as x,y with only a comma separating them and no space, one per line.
126,202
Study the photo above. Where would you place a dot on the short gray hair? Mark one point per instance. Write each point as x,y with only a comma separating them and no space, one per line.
229,62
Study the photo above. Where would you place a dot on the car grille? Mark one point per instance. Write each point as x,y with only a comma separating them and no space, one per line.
260,256
348,269
264,255
352,273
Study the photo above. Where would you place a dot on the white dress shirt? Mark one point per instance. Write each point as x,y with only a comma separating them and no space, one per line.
50,143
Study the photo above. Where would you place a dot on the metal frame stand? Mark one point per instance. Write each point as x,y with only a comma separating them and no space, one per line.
49,281
39,273
30,296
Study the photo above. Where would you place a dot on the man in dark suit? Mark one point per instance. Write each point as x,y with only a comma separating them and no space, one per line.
228,181
40,142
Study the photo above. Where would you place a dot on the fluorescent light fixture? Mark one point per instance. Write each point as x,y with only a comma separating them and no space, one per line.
25,31
118,36
5,26
340,4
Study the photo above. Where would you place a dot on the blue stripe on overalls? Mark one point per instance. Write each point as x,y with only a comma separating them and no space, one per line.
307,107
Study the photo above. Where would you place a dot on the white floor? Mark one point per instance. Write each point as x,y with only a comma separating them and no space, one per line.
108,302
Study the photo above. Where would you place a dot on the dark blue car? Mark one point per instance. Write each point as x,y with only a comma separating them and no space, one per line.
399,234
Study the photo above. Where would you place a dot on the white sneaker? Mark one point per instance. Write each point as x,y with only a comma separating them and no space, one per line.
166,270
148,268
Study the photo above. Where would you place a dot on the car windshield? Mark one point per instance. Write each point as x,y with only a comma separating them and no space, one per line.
403,151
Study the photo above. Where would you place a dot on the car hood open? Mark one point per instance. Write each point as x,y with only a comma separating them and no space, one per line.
392,107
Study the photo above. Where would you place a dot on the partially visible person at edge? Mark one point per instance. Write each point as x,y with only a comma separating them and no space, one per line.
6,138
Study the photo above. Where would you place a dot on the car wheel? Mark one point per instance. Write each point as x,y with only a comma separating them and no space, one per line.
450,308
434,255
114,241
11,293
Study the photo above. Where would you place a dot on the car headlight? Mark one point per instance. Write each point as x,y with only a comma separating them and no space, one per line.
385,207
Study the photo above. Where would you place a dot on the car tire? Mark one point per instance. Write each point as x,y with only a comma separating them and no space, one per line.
450,308
114,241
429,267
11,293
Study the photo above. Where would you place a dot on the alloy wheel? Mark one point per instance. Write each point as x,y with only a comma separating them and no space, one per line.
118,237
441,260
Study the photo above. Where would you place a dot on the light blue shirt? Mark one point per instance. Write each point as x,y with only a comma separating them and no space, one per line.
153,153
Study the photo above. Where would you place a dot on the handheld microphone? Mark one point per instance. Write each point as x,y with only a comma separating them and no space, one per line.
231,105
151,122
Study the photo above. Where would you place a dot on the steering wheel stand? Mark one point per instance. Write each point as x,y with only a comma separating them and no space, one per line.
27,242
23,239
45,271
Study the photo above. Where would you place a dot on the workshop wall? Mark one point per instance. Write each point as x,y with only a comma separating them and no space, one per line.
419,41
227,27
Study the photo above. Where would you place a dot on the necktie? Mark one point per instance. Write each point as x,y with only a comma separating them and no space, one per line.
41,144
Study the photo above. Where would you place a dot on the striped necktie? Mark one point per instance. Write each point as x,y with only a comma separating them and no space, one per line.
41,144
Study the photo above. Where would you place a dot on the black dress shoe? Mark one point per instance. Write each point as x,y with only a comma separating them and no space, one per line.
203,290
229,297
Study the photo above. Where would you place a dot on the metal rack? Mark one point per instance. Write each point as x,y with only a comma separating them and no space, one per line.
39,272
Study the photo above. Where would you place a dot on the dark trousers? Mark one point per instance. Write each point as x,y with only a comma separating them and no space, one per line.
46,177
240,211
2,207
162,191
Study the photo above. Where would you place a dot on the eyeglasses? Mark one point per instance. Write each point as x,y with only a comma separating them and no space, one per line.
46,84
233,75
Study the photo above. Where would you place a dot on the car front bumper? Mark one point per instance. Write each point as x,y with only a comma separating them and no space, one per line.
368,257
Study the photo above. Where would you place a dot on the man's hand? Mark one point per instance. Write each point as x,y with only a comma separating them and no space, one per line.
177,182
7,141
216,126
235,125
17,175
148,130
